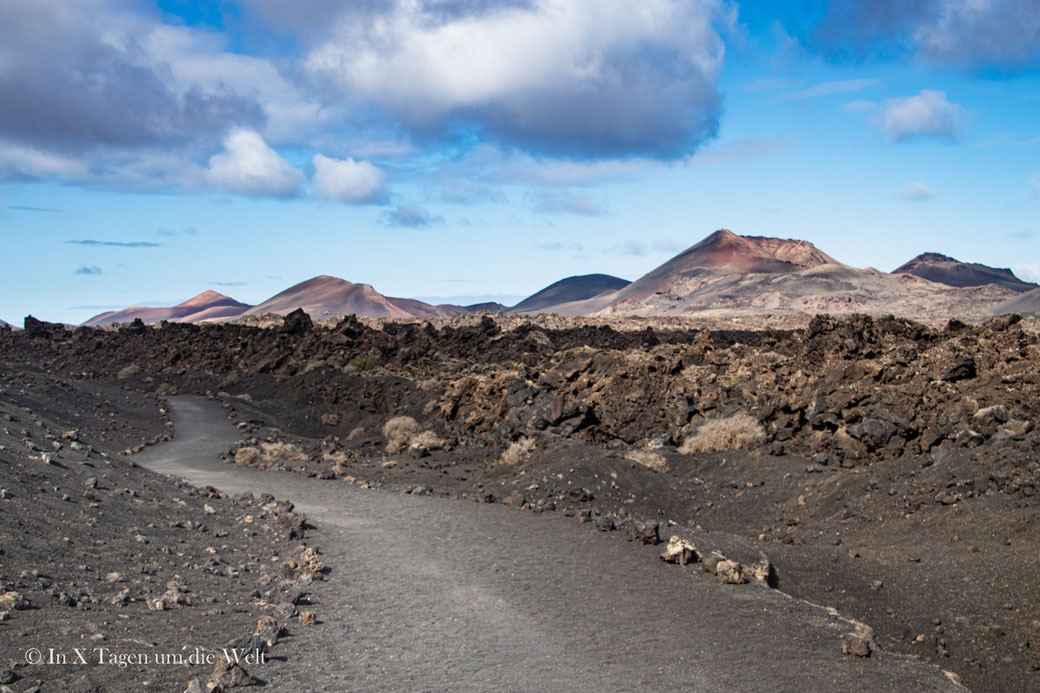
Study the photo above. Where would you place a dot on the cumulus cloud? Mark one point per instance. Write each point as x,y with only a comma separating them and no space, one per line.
349,181
928,114
917,191
565,202
409,217
979,35
89,270
581,77
74,74
249,167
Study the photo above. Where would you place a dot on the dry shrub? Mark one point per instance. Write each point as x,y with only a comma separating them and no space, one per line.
429,440
246,456
282,451
730,433
338,460
356,433
399,432
648,458
518,451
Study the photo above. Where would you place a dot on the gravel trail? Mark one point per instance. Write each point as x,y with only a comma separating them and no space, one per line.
430,594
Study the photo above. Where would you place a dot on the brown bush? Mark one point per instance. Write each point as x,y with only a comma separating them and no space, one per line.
403,431
648,458
730,433
518,451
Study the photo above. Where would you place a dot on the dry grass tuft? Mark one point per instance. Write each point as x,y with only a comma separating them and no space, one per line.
403,431
648,458
356,433
518,451
282,451
246,456
398,432
730,433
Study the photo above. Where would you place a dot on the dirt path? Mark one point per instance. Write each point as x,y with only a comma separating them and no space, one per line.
429,594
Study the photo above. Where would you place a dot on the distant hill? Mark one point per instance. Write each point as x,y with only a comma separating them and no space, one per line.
4,323
726,274
489,307
952,272
1024,304
326,296
568,290
208,304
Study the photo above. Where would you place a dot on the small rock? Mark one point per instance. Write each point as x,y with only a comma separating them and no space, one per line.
856,645
647,533
308,618
515,499
731,572
13,601
231,675
679,551
208,509
195,686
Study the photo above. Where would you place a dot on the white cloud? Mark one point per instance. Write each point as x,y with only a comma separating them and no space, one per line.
917,191
981,33
593,77
830,88
346,180
565,202
1030,273
928,114
249,167
30,162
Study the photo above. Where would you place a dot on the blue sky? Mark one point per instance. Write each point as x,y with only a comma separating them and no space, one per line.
467,150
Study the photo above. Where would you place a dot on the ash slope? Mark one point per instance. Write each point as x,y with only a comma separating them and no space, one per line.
208,304
578,288
952,272
326,296
1027,304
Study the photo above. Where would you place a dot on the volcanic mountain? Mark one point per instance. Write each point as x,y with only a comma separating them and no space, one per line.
326,296
568,290
726,274
952,272
208,304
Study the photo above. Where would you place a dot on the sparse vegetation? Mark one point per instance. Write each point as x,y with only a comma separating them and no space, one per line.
648,458
730,433
364,363
403,431
269,452
166,389
519,451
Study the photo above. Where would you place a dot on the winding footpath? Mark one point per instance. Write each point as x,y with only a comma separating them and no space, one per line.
430,594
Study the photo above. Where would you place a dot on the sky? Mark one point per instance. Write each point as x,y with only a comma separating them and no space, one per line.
470,150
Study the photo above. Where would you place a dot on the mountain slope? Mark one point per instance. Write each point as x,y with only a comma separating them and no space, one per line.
952,272
726,252
208,304
568,290
1025,304
326,296
726,274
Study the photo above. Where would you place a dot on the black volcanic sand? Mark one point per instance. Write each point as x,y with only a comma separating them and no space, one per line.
895,481
89,542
